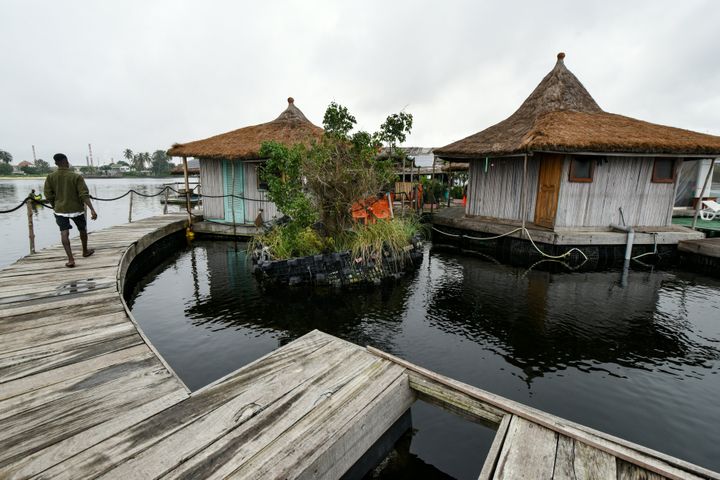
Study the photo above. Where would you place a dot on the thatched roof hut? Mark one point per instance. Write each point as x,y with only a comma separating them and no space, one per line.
561,116
230,166
290,127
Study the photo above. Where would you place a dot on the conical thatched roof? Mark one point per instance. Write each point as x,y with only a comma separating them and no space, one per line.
560,115
244,144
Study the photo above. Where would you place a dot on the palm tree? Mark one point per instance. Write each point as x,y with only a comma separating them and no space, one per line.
5,156
128,154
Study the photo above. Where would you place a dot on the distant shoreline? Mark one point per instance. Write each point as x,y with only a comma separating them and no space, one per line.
91,177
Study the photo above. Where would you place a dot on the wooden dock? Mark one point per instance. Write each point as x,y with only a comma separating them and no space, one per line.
454,218
83,394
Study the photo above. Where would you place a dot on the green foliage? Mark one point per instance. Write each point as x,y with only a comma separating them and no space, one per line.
290,240
456,192
282,173
88,170
140,161
433,190
338,121
324,180
6,157
389,236
395,129
42,166
160,163
128,154
6,169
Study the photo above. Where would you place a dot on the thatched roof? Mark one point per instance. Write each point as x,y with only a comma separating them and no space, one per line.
244,144
560,115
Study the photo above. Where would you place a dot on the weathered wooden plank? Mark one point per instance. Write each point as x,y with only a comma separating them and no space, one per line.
60,315
86,412
457,402
577,461
36,339
528,452
22,366
51,378
114,450
491,459
305,439
649,459
84,393
332,458
36,307
40,461
288,394
628,471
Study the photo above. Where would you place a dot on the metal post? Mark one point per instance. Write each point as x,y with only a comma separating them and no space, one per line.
130,209
165,207
187,191
31,229
702,192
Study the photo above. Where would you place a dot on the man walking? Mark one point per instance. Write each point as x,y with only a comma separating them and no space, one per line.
67,193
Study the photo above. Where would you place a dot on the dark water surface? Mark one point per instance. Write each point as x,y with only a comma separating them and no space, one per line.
640,362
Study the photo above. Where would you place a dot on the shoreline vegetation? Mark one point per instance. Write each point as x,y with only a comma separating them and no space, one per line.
325,191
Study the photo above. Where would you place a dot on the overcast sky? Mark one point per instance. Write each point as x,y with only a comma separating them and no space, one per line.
146,74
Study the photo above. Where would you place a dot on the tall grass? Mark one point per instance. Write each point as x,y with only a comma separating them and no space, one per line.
365,242
385,237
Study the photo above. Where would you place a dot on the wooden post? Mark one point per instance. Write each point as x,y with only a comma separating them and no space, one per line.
31,229
165,207
432,187
523,195
702,192
187,191
130,209
232,202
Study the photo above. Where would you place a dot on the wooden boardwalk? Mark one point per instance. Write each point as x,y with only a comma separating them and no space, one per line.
84,395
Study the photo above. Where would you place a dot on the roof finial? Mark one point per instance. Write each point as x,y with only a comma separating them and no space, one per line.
291,100
561,55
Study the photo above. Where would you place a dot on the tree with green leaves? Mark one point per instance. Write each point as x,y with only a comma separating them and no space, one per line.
128,154
160,163
5,156
5,168
140,161
41,166
328,178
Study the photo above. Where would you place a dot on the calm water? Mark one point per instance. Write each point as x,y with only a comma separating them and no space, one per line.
14,231
640,362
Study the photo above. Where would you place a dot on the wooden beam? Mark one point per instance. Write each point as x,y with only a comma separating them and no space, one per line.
657,462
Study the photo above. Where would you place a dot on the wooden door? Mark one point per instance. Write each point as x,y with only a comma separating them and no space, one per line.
548,189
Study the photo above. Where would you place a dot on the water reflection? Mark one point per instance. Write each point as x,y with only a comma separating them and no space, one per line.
234,301
543,322
639,361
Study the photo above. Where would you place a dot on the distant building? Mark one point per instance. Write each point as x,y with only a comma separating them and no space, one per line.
230,163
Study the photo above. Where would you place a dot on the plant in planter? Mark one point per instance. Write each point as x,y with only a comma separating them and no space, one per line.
317,187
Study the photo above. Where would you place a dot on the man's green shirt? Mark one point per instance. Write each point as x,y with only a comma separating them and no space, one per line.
66,191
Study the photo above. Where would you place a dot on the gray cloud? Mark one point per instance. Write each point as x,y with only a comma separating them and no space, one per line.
144,74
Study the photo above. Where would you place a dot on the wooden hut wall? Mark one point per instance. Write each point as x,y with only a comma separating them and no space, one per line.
211,182
498,192
252,208
620,182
